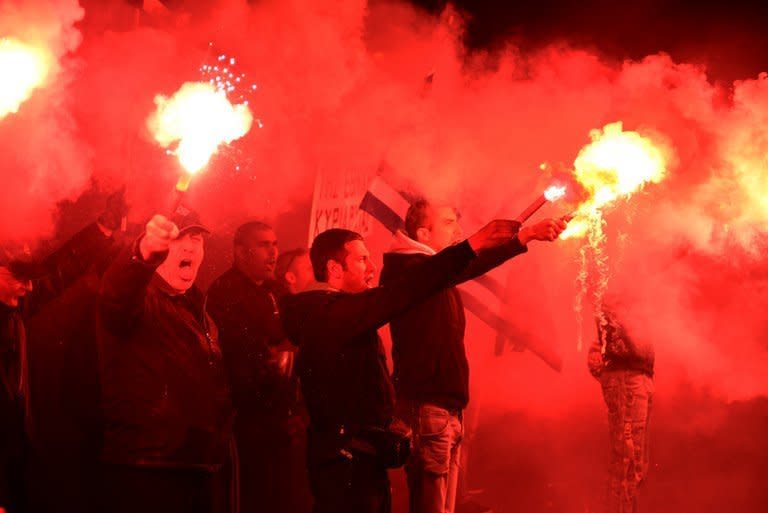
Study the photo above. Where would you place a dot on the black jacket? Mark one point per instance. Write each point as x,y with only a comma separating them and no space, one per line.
430,361
165,396
619,350
341,361
21,396
61,345
249,327
12,442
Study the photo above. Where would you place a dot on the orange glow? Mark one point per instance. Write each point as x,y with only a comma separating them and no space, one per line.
614,165
22,69
198,118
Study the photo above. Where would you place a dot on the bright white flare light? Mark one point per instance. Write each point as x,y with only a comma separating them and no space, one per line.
22,69
199,118
554,193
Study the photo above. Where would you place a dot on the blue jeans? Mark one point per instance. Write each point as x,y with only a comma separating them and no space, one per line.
628,395
433,468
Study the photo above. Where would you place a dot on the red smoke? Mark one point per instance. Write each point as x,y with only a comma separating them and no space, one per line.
347,86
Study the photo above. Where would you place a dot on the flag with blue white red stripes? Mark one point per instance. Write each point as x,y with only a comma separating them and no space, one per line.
481,296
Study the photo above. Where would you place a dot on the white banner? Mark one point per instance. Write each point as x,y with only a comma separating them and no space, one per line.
336,202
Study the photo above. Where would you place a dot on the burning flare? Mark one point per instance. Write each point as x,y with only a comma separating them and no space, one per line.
554,193
200,119
22,69
614,165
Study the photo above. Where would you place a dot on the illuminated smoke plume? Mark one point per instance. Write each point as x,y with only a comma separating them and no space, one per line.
44,160
197,119
24,69
616,164
347,86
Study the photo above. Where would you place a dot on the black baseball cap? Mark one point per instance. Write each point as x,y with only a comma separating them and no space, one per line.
187,221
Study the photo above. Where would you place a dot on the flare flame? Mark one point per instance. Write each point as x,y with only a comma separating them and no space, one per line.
23,68
199,119
614,165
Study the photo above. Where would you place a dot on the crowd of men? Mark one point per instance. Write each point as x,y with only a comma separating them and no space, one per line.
127,389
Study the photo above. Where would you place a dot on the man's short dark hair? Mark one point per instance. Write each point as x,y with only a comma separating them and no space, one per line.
246,230
327,246
285,260
417,217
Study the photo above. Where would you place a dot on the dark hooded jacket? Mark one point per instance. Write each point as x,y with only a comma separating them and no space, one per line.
430,361
341,361
619,350
165,397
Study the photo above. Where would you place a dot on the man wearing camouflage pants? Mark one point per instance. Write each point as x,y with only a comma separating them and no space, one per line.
624,368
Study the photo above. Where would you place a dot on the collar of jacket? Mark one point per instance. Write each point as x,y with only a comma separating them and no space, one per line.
268,285
166,289
320,285
404,245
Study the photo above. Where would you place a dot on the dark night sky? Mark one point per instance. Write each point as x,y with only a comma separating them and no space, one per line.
731,38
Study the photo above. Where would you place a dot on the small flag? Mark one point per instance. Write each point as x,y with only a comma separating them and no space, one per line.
481,296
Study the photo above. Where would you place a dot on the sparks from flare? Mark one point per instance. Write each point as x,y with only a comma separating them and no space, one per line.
23,68
197,119
222,73
614,165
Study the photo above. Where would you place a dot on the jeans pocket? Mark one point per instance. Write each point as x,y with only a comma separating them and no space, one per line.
433,421
433,440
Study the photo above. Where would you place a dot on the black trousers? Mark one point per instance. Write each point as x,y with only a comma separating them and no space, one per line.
273,475
127,489
359,485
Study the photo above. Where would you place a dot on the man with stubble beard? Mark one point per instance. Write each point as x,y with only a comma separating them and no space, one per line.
431,371
353,437
244,304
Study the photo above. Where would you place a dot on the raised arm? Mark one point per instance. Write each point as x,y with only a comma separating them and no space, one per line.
91,246
546,230
124,286
347,315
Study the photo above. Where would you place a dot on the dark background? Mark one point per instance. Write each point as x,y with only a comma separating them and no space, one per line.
730,38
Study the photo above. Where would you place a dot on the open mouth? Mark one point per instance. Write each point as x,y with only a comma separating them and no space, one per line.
186,263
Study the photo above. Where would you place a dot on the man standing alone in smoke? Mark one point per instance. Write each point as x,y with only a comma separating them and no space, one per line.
624,368
431,372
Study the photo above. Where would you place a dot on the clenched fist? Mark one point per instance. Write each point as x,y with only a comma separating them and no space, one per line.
546,230
494,234
158,235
